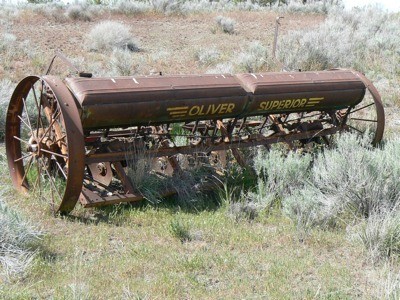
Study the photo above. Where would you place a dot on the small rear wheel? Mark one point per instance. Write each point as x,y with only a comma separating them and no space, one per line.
368,115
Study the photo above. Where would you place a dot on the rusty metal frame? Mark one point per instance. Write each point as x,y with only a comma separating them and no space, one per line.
260,140
92,137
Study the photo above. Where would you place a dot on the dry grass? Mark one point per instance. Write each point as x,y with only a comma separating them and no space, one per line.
161,254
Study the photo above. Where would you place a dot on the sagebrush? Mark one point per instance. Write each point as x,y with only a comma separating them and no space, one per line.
352,179
18,241
109,35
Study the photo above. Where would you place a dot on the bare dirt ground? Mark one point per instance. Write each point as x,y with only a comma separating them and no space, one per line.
167,43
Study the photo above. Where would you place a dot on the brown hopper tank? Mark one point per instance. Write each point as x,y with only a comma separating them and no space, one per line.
302,91
126,101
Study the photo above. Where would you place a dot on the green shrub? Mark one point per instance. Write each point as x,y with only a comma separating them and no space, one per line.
6,89
180,230
122,63
38,1
380,234
227,25
78,12
109,35
363,39
254,59
362,178
309,7
18,240
244,210
308,208
7,41
350,182
139,172
207,57
131,7
281,173
221,68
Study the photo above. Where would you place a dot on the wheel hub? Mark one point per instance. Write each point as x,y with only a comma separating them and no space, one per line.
33,146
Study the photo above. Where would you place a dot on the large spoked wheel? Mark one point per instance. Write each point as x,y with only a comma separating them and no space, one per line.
44,142
368,115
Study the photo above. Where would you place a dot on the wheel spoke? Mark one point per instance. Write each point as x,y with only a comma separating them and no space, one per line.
59,140
52,181
26,124
360,108
38,106
54,153
56,113
27,113
41,89
48,128
21,140
36,99
38,181
23,157
61,169
39,122
366,120
28,167
355,129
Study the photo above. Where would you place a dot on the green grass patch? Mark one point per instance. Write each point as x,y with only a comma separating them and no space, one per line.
145,257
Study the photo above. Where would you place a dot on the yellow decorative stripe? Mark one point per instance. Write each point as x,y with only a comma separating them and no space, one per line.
318,99
178,112
178,108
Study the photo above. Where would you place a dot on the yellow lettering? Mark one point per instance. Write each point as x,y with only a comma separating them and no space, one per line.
226,108
230,108
268,105
223,108
287,103
296,103
262,105
274,104
194,110
201,113
215,109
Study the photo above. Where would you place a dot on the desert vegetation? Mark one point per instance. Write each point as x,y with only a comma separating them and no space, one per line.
227,25
110,35
321,222
19,240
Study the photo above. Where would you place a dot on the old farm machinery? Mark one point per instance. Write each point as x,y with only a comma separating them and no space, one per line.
78,134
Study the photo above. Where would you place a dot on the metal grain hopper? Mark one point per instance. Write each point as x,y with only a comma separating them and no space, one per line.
77,135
